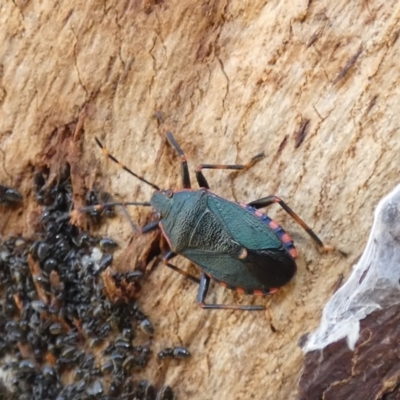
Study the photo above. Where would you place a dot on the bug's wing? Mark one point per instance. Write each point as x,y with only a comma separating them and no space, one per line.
243,226
266,259
224,267
273,268
259,270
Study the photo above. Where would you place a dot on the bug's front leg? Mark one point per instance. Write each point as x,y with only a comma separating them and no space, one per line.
184,165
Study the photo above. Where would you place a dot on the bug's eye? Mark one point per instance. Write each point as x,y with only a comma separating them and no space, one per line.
169,193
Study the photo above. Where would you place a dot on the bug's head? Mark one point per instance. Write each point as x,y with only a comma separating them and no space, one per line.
162,201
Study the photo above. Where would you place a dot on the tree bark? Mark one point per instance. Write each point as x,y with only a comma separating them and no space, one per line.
313,85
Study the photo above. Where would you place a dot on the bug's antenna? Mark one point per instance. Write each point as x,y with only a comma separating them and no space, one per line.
106,152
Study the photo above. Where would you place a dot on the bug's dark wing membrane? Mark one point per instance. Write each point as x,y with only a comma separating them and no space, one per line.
273,268
260,269
224,268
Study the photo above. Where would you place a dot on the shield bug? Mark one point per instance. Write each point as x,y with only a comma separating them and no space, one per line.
233,243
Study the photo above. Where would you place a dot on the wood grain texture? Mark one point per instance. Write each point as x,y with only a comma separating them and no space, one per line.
231,79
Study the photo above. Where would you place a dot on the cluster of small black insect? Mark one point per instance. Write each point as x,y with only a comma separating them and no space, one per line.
63,338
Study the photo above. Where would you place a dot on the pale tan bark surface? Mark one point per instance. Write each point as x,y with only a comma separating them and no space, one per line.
231,79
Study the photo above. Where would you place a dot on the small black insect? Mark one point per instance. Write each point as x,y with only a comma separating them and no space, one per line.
9,195
174,352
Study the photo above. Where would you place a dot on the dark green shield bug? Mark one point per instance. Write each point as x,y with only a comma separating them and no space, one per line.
233,243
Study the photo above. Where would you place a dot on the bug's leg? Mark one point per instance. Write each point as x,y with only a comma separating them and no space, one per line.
150,227
201,295
74,214
104,206
184,165
168,257
201,180
267,201
147,228
100,207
